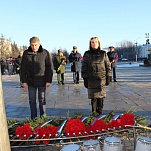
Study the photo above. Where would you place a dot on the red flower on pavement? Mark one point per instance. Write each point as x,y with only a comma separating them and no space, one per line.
74,127
89,131
45,132
99,125
114,124
24,132
127,119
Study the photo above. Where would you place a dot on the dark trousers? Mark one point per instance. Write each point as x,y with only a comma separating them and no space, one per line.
20,77
10,69
32,91
76,76
114,74
97,106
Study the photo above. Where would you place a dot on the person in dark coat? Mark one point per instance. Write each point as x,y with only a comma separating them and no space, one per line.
75,61
96,71
3,67
36,74
11,64
113,57
18,65
59,63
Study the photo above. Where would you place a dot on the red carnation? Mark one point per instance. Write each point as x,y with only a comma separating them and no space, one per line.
127,119
99,125
114,124
24,132
45,132
74,127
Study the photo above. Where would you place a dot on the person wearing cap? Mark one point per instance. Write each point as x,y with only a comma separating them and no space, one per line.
59,63
75,61
36,75
96,71
113,57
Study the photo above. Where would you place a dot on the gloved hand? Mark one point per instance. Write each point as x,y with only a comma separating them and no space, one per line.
85,82
107,80
76,59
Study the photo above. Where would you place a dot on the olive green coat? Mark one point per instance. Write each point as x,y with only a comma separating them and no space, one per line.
59,64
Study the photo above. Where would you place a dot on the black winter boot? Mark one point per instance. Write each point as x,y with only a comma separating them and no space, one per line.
99,109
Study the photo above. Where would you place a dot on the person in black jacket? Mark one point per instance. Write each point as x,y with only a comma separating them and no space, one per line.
113,57
18,65
36,74
96,71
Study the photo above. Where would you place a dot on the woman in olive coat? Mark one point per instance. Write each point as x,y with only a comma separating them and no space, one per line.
96,71
59,65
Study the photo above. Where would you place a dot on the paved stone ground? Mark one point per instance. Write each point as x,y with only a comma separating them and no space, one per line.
133,89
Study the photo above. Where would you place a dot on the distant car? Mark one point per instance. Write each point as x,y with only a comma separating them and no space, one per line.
124,59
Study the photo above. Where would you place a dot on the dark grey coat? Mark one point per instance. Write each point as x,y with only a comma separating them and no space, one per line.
113,56
36,68
75,61
96,68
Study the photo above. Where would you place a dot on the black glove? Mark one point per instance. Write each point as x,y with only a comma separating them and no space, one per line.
58,71
107,80
85,82
77,59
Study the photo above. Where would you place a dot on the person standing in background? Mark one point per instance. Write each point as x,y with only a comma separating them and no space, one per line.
3,67
18,65
10,66
59,65
75,61
96,71
113,57
36,74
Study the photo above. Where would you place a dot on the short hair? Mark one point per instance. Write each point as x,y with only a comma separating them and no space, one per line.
96,38
74,47
34,39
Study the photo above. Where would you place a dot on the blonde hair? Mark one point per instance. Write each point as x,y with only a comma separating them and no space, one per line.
34,39
94,38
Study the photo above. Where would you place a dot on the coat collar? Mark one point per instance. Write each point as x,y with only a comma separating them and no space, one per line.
39,50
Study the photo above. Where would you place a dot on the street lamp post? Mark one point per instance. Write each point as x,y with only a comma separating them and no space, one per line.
147,42
136,48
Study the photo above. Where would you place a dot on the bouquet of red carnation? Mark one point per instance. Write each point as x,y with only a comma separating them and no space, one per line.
74,127
89,131
127,119
99,125
45,132
24,132
114,124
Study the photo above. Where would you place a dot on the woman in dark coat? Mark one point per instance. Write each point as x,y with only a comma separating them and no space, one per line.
96,71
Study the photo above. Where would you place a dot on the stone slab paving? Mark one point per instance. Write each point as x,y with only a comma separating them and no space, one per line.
133,89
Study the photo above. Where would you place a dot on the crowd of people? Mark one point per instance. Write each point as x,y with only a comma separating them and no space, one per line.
35,68
10,66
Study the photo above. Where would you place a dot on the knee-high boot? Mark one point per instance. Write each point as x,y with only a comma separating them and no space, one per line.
94,106
99,109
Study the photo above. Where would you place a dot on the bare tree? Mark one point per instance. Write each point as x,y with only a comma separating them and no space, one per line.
5,48
125,44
